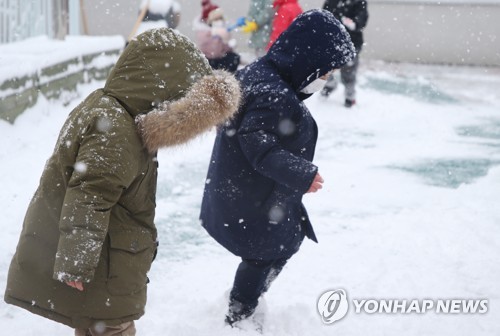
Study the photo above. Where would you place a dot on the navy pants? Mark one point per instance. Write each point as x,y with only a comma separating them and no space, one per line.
253,278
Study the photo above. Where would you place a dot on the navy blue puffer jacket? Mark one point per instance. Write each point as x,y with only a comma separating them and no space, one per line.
261,163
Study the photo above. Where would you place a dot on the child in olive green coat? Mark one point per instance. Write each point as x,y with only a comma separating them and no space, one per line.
89,238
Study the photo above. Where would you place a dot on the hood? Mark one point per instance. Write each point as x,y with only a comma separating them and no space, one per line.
157,66
313,45
210,101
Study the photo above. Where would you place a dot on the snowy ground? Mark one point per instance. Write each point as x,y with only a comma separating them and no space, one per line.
409,210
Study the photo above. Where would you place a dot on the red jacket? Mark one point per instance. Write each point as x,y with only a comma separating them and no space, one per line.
286,12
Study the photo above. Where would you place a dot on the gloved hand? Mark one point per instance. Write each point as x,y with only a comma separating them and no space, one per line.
240,21
348,23
250,27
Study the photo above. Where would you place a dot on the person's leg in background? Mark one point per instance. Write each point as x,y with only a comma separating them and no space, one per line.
348,77
330,86
253,278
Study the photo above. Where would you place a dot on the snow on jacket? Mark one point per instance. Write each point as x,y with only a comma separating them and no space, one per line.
261,163
91,218
356,10
262,12
286,12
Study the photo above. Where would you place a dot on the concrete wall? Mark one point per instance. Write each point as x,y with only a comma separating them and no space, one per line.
110,17
20,93
455,33
448,32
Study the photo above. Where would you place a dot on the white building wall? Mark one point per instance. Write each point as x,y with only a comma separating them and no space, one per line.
20,19
448,32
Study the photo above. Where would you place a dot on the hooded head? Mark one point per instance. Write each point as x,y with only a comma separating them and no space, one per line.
158,65
313,45
165,81
215,15
206,7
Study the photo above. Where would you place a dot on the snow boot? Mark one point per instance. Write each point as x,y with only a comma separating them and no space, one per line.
349,102
325,92
245,317
237,312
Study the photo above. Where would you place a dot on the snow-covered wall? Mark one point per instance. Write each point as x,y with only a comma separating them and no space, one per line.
51,68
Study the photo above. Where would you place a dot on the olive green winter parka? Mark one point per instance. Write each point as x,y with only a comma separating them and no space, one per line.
92,216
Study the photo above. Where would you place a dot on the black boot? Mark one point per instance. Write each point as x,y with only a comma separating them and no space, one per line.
325,92
238,311
250,317
349,102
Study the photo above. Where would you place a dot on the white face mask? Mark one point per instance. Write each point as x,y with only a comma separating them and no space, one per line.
314,86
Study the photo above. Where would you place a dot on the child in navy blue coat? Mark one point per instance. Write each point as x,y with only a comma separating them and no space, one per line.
261,163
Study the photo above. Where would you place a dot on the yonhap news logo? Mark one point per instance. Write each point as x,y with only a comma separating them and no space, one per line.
333,306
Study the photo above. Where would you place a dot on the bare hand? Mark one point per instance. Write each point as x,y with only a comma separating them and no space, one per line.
317,184
75,284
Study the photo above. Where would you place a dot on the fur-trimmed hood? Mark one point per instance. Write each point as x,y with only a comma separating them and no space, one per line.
157,66
164,81
209,102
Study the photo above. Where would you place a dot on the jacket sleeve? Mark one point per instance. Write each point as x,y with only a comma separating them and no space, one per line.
104,167
262,143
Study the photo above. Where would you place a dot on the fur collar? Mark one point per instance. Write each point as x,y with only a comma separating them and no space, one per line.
209,102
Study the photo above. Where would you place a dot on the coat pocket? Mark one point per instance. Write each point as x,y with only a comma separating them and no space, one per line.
130,257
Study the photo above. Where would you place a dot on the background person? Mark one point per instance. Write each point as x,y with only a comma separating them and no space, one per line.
286,12
158,14
258,23
206,7
214,40
354,15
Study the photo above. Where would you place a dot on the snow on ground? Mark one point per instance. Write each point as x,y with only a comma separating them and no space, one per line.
409,210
